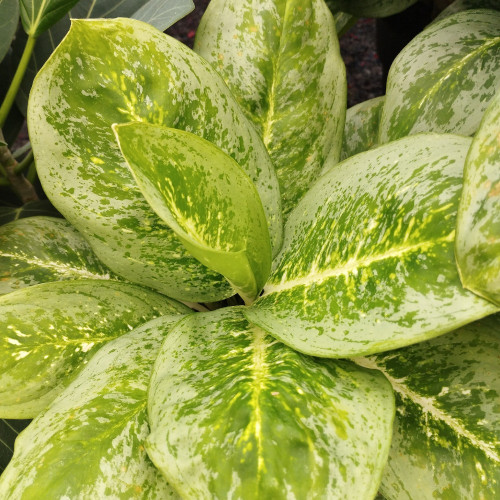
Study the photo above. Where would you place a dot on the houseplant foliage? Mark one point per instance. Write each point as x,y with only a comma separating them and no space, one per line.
215,180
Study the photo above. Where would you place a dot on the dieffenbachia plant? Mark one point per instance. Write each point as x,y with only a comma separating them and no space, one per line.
229,311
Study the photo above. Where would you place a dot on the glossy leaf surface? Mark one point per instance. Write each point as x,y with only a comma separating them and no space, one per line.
86,87
48,331
368,262
447,432
205,197
41,249
9,19
444,78
89,443
39,15
370,8
233,413
286,71
478,229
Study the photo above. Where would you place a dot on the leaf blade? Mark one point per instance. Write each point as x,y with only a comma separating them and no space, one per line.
9,17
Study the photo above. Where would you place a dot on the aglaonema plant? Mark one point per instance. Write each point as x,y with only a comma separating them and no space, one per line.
357,349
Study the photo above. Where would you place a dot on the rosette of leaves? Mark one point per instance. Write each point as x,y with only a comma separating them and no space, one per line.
173,173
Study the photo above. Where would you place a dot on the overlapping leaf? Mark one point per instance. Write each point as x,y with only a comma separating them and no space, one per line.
287,74
88,85
234,413
461,5
368,262
447,432
444,78
37,16
205,197
370,8
89,443
478,227
9,19
30,209
47,331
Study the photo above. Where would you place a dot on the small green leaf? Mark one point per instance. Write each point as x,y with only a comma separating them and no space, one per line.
444,78
205,197
447,431
370,8
478,226
41,249
368,263
89,443
286,71
47,331
37,16
235,414
9,18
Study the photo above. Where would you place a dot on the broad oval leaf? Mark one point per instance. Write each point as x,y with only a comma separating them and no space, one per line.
86,86
90,443
447,431
205,197
47,331
444,78
478,226
286,71
370,8
9,19
368,262
39,15
41,249
233,413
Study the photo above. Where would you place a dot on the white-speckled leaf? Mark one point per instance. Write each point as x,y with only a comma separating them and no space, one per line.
117,71
41,249
368,260
90,443
281,59
444,78
205,197
447,432
235,414
370,8
361,127
48,331
478,226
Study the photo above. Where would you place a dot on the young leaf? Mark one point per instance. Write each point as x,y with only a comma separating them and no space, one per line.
478,226
89,443
41,249
444,78
370,8
205,197
234,413
47,331
9,19
368,264
38,16
288,76
447,432
87,86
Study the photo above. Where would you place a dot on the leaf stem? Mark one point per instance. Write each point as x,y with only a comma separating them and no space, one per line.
16,81
22,150
26,162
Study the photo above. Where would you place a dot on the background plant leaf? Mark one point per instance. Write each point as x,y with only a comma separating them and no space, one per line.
9,430
368,260
287,73
30,209
89,443
461,5
9,19
370,8
37,16
235,413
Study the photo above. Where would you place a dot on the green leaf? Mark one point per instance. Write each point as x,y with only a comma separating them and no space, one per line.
361,127
368,264
9,430
89,443
42,249
447,432
478,226
461,5
47,331
286,71
30,209
370,8
86,87
205,197
444,78
161,14
9,18
235,414
37,16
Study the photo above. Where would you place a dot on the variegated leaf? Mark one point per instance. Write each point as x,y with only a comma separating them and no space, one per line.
39,15
447,432
235,414
281,59
370,8
89,84
461,5
48,331
478,226
368,263
205,197
361,127
444,78
90,443
41,249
